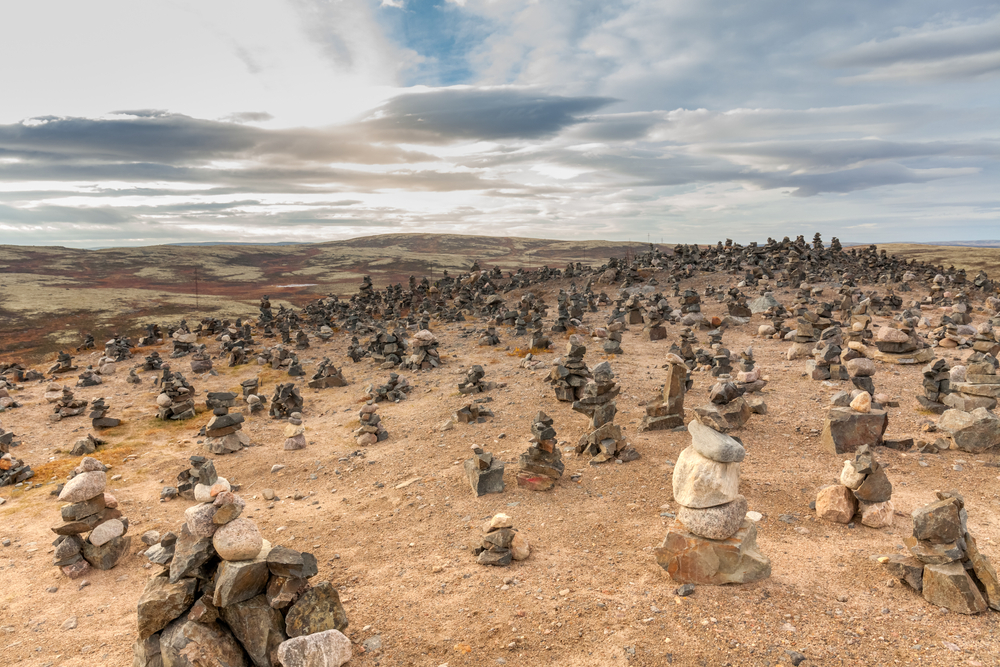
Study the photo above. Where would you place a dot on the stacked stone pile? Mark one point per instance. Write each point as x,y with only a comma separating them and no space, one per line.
228,597
727,409
985,339
295,433
66,404
945,563
937,386
473,383
569,373
981,387
184,343
975,431
327,375
654,329
64,364
489,337
484,472
371,429
13,470
423,352
220,399
194,482
88,378
666,410
900,345
472,413
605,441
224,432
849,427
388,348
98,414
85,446
201,360
89,510
501,543
176,400
285,401
541,466
864,489
613,343
711,541
394,390
152,362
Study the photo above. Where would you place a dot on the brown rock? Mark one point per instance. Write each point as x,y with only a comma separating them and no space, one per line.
877,515
161,602
240,580
185,643
951,587
836,503
688,558
316,610
985,574
845,430
907,568
933,554
258,627
875,489
715,523
939,522
107,555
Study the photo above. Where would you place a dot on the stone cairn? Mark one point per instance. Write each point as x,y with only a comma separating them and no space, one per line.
64,364
193,482
864,488
569,374
473,383
176,399
613,343
152,362
484,472
489,337
849,427
201,360
472,413
711,541
98,415
371,429
66,404
541,466
423,352
224,432
387,348
981,386
666,410
327,375
285,401
945,563
90,510
295,433
88,378
936,385
13,470
501,543
394,390
220,568
727,410
972,432
85,446
605,441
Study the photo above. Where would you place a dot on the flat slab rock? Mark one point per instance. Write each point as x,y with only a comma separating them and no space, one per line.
845,430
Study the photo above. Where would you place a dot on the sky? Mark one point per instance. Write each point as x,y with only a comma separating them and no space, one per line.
127,123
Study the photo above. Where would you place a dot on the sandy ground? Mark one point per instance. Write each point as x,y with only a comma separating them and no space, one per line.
393,527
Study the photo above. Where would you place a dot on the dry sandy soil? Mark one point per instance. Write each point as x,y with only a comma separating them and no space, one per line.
393,526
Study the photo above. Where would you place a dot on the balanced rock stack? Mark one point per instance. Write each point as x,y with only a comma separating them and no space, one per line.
472,413
489,337
501,543
864,488
227,597
88,378
423,352
201,360
473,383
201,476
295,433
387,348
937,386
394,390
711,541
605,441
285,401
12,469
153,362
91,510
176,399
64,364
66,404
98,415
899,345
371,430
484,472
981,387
327,375
727,409
613,344
220,399
945,563
224,432
569,374
666,410
541,466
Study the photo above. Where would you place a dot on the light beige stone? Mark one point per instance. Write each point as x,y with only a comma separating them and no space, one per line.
700,482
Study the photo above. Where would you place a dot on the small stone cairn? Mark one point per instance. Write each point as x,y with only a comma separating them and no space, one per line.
541,466
423,352
285,401
201,360
200,476
176,399
711,541
489,337
666,410
613,344
371,429
864,488
64,364
295,433
727,409
936,385
472,413
473,383
327,375
945,563
501,543
13,470
484,472
89,510
981,387
394,390
605,441
66,404
152,362
847,428
98,415
225,594
88,378
224,432
569,373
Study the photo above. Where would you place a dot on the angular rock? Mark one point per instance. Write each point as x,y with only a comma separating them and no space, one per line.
938,522
850,477
699,482
258,627
485,481
190,553
845,430
985,574
714,445
836,503
972,431
161,602
239,580
288,563
185,643
329,648
316,610
875,489
951,587
282,592
82,509
715,523
877,515
934,554
107,555
907,568
688,558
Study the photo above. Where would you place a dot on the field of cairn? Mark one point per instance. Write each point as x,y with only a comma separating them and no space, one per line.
393,524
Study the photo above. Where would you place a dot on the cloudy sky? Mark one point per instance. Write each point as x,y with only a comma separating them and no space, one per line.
133,123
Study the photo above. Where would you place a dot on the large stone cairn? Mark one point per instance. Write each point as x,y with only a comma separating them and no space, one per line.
387,348
569,373
98,415
711,541
605,441
285,401
89,510
394,390
228,597
936,385
484,472
295,433
981,387
423,352
176,399
864,489
473,383
371,429
184,342
327,375
945,563
541,466
666,410
224,432
501,543
690,302
727,410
